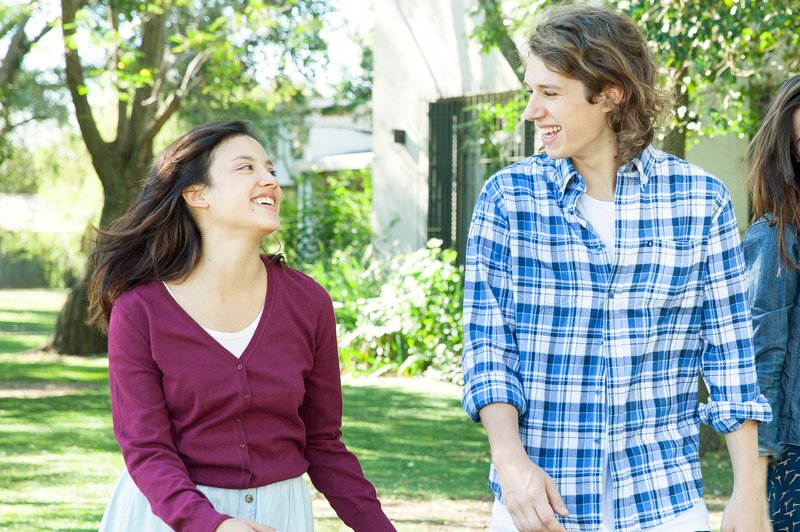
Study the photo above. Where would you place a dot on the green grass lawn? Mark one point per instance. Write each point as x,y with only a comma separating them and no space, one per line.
59,459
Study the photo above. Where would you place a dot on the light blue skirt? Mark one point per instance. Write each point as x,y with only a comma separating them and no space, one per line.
285,506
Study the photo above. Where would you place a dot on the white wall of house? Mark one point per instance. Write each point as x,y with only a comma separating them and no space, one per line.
423,53
725,158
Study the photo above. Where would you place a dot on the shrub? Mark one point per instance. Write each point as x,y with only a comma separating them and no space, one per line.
39,260
400,315
326,215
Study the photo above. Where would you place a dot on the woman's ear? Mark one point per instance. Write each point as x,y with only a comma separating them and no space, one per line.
194,196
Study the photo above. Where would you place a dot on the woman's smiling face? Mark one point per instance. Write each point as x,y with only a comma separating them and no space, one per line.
244,189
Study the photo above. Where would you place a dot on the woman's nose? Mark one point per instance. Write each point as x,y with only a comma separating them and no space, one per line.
268,178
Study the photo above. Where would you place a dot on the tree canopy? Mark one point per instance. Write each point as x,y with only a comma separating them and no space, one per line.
722,58
144,61
25,92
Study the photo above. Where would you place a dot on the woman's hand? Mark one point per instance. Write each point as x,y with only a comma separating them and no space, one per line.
242,525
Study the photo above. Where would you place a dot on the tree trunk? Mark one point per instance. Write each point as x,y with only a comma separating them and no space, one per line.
73,336
675,140
120,164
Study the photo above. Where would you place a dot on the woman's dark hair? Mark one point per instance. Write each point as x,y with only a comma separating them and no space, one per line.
602,48
773,175
157,238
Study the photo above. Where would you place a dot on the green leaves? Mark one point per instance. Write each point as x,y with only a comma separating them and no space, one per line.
399,315
722,55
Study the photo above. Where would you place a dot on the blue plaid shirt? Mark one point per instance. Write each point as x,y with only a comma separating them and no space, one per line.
600,353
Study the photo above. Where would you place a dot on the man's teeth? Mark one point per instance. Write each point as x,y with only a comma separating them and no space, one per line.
265,201
551,130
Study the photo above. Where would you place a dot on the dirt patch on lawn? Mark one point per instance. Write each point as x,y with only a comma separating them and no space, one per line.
436,515
36,390
440,515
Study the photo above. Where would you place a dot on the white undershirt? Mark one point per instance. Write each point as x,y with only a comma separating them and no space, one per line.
600,214
235,342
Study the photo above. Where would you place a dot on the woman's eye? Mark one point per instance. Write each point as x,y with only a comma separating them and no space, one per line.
273,172
246,167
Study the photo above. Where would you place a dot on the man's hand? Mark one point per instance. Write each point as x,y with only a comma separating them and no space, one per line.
531,496
242,525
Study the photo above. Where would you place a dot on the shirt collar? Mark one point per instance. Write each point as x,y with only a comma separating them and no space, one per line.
641,166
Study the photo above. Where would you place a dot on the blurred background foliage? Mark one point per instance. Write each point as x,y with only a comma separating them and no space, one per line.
90,90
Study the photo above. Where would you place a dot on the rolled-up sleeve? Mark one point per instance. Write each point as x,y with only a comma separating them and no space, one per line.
772,288
491,356
728,364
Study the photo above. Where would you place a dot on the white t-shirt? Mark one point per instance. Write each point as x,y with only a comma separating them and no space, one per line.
600,214
235,342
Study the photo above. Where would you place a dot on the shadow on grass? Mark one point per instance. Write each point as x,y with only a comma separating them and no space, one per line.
28,321
54,425
20,342
16,369
413,444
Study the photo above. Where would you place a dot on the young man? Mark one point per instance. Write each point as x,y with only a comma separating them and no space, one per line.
600,276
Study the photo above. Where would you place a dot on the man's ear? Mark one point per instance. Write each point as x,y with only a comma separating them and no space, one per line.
611,97
194,196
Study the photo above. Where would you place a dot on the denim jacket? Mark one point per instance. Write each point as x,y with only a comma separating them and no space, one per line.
774,294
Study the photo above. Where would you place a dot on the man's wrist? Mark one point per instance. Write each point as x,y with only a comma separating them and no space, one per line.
508,457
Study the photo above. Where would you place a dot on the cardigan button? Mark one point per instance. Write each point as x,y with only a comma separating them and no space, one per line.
242,445
239,366
247,396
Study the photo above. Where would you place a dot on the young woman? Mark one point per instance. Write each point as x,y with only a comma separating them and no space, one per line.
223,362
772,254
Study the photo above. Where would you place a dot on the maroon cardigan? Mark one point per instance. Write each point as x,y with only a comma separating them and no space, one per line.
186,411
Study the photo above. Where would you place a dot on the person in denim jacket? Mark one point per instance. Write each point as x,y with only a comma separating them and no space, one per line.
772,254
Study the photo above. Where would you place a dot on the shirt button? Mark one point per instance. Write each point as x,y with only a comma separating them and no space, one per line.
247,396
239,366
597,392
248,498
242,445
649,243
597,440
611,295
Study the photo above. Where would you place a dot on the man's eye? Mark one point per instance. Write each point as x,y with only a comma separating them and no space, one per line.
548,93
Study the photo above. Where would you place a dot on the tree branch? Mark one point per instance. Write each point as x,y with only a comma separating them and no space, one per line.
152,49
95,144
17,49
493,19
